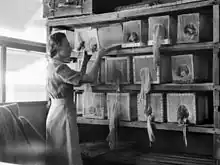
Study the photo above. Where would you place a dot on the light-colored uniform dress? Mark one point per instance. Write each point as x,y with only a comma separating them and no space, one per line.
61,125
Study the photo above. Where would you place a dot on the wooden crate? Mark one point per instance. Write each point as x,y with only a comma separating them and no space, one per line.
58,8
109,35
139,30
197,106
79,103
190,68
194,27
81,7
89,36
169,24
128,105
162,75
117,66
156,103
98,110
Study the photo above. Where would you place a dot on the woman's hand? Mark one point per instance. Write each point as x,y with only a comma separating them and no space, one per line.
104,51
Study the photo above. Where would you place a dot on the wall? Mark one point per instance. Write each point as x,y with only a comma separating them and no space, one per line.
36,113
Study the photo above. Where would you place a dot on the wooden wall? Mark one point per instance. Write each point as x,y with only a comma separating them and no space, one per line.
36,113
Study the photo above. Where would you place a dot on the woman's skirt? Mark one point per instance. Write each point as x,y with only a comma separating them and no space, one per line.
62,130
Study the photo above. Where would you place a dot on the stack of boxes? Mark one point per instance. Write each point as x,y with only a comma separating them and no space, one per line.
176,68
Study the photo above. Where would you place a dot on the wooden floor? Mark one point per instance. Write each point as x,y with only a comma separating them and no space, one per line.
100,154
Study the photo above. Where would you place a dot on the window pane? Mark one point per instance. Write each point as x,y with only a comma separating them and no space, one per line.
25,76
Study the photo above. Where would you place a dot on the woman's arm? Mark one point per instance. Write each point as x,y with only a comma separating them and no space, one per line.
73,77
91,76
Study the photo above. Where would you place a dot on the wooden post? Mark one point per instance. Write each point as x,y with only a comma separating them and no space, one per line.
216,101
2,74
49,30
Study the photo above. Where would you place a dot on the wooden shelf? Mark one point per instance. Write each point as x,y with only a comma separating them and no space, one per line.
160,87
208,129
130,13
164,48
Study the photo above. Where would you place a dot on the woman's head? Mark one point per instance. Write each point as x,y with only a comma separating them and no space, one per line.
59,46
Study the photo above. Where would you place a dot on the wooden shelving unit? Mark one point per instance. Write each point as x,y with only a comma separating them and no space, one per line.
207,129
69,23
164,49
161,87
89,20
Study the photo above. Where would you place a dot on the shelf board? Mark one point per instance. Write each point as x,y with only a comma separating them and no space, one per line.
160,87
208,129
130,13
164,48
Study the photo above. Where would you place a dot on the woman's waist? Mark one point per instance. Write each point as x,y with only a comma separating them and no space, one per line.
61,100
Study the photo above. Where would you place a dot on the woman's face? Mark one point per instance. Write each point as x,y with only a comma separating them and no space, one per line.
64,49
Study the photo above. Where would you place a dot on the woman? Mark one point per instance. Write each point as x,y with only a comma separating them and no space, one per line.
61,125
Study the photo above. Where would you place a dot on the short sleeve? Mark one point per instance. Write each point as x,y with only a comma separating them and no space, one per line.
68,75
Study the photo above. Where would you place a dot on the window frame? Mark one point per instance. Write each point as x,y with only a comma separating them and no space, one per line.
17,44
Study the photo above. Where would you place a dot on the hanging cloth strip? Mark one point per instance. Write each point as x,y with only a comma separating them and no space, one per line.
184,134
145,98
158,35
182,119
114,120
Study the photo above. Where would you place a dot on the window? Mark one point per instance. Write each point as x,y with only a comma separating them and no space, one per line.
25,76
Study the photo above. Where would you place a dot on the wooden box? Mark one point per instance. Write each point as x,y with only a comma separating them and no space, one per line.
156,104
98,109
60,8
190,68
162,75
90,38
117,67
197,106
168,33
79,103
109,35
194,27
135,33
80,7
128,105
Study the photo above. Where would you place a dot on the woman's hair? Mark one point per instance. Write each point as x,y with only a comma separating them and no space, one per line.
55,40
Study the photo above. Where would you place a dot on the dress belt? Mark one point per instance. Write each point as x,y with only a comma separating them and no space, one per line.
61,101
